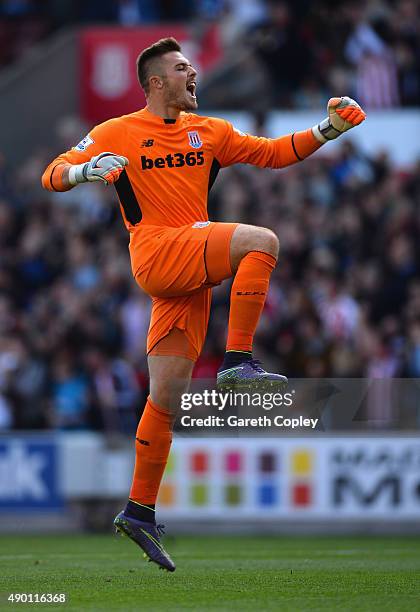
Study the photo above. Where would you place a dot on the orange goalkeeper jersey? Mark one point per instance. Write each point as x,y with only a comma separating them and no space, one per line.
173,163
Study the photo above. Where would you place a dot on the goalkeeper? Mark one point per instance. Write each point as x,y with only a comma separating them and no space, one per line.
163,160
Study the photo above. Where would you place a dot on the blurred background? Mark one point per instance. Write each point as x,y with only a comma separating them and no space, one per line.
344,301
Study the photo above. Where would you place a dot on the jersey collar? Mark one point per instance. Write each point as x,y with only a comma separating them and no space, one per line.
157,119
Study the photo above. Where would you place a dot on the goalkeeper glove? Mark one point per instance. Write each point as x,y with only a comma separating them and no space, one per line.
343,114
105,167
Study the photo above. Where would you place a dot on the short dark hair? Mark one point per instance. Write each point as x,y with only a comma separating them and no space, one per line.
159,48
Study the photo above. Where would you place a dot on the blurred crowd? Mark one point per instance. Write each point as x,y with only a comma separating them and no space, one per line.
298,52
344,300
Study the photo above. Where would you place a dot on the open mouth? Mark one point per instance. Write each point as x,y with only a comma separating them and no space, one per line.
191,88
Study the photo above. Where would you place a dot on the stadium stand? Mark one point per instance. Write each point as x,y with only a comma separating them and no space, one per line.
370,49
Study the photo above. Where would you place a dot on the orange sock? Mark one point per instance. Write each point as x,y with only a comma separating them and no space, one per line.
153,442
247,298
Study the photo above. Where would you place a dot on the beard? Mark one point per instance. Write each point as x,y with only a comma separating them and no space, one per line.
190,104
182,101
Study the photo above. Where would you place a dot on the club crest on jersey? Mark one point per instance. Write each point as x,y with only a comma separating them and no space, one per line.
195,140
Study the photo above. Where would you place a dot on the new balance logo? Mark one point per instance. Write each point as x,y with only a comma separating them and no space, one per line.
250,293
148,143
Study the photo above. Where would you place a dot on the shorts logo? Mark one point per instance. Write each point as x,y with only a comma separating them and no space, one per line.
201,224
195,140
85,143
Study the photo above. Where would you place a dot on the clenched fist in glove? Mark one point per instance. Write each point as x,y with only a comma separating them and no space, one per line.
105,167
343,114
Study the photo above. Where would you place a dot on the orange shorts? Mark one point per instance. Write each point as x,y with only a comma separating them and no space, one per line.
177,266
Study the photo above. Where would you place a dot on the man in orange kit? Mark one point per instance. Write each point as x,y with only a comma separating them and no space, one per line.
163,160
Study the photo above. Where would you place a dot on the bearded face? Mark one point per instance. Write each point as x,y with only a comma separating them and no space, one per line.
179,82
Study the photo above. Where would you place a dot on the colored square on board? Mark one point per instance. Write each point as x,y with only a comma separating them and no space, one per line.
302,495
199,463
267,495
170,466
233,462
233,495
302,463
199,495
166,494
267,462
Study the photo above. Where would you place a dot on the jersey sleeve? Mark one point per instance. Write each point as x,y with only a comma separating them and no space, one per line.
233,147
108,136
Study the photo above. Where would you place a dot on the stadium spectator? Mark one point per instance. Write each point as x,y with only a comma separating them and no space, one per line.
376,68
69,394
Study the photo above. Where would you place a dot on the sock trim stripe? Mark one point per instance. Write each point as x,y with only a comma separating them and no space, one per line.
142,505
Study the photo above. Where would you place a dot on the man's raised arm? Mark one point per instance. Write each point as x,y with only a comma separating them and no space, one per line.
235,147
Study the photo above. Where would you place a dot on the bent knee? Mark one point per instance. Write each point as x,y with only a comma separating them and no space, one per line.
264,240
247,238
272,244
